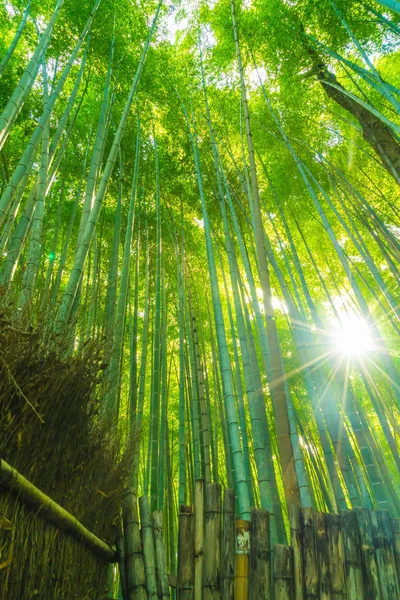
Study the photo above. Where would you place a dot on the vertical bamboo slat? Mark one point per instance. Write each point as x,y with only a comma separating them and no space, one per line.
212,543
296,542
283,572
242,559
148,548
228,547
336,557
309,554
372,587
382,538
324,567
352,553
122,568
260,556
198,539
135,575
396,536
185,579
161,566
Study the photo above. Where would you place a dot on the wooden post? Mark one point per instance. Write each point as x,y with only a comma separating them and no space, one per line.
324,567
383,541
185,579
336,557
296,542
161,566
283,573
352,554
135,574
260,556
122,567
148,548
242,559
212,543
396,535
198,539
228,546
309,554
372,588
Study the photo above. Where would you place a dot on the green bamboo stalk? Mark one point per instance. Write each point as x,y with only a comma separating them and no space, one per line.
31,147
279,399
75,276
16,38
18,96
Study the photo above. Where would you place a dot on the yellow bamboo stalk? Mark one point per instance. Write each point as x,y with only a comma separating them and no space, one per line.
242,559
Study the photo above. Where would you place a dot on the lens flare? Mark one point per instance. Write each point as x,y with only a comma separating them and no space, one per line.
352,337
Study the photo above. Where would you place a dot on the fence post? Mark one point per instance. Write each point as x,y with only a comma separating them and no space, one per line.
382,538
148,548
122,567
324,568
336,557
351,542
309,554
372,586
135,575
185,578
260,556
296,543
242,559
228,546
212,542
198,539
161,567
396,535
283,572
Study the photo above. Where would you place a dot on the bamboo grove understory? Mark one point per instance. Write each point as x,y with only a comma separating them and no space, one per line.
208,191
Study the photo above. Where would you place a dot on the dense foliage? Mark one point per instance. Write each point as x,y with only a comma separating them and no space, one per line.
211,190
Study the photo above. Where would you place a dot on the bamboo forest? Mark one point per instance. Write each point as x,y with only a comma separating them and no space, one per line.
199,299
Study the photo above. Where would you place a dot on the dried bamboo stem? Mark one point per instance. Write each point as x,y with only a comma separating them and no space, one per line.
228,546
198,539
47,508
260,556
212,543
135,574
185,579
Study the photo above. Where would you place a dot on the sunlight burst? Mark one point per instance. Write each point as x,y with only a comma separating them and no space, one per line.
352,337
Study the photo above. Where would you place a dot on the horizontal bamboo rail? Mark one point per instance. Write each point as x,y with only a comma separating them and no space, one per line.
50,510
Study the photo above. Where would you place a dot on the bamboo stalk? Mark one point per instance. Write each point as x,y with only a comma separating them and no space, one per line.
260,556
185,579
135,574
283,572
212,543
228,547
48,509
198,541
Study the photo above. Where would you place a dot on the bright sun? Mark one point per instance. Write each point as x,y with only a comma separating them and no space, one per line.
352,337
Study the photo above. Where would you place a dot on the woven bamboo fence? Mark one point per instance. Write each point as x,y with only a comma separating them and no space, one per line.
351,556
